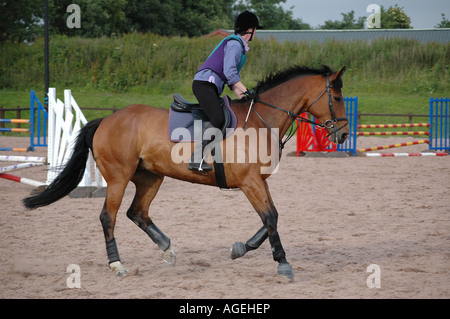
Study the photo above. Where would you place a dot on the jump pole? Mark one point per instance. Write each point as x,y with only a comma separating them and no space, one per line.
15,158
22,180
391,133
14,149
383,147
15,130
393,125
15,121
31,161
404,154
18,166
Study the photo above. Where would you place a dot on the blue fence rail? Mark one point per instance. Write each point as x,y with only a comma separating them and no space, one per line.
439,119
37,125
351,108
39,120
439,131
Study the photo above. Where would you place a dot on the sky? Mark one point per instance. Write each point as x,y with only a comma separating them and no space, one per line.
424,14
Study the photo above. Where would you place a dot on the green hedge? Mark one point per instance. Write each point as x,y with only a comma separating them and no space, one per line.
152,63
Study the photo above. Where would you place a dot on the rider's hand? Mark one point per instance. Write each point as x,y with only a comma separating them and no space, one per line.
250,94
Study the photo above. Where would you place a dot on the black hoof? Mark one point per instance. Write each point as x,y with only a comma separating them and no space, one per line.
238,250
285,269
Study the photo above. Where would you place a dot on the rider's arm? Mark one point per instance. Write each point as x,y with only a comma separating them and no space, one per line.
232,57
239,89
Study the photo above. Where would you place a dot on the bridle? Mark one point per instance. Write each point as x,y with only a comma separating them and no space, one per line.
329,124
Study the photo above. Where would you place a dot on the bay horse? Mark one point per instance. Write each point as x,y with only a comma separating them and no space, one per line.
133,145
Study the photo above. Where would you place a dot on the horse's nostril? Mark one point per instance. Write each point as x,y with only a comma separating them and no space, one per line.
344,136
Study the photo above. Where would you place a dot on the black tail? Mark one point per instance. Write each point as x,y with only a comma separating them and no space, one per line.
73,171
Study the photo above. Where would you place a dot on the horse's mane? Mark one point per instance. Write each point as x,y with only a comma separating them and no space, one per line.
274,79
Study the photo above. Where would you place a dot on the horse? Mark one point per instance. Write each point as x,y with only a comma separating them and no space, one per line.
132,144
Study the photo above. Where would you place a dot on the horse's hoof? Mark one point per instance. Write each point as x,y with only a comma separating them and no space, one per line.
285,269
119,269
169,256
238,250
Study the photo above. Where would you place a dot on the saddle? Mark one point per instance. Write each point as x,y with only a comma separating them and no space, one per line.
183,114
179,104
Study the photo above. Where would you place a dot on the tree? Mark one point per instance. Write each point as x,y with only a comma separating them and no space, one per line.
445,23
348,22
98,18
270,14
395,18
153,16
199,17
179,17
19,19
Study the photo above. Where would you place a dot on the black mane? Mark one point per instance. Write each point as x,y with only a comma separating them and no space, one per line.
273,79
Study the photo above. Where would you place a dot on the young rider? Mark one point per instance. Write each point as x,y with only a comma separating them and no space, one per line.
222,67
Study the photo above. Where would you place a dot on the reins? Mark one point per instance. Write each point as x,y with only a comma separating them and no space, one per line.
294,116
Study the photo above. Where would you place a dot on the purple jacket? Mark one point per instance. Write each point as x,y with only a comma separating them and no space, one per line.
224,63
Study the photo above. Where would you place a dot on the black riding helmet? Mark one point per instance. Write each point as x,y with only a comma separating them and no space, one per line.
246,20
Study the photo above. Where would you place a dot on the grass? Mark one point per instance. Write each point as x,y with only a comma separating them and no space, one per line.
375,102
380,103
394,76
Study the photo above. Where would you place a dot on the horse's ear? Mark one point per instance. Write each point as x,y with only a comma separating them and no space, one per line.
341,72
337,81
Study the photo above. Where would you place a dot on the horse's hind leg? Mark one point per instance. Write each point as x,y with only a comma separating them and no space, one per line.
108,215
147,185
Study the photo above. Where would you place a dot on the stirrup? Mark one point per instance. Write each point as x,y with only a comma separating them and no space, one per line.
201,167
204,168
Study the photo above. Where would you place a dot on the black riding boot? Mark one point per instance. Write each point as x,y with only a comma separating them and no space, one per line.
200,165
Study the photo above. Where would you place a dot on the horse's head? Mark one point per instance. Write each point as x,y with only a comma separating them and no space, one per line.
327,106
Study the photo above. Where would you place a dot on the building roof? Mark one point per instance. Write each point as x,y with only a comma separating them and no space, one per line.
421,35
218,32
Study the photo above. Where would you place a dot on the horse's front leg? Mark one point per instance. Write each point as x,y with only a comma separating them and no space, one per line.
239,249
258,194
270,220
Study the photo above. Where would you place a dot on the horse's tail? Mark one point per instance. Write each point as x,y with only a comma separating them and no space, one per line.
73,171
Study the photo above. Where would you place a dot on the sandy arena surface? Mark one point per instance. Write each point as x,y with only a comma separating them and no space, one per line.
337,217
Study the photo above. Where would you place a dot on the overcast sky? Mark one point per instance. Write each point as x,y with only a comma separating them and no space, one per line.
423,13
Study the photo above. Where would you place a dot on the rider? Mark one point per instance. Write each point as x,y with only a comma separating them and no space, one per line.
222,67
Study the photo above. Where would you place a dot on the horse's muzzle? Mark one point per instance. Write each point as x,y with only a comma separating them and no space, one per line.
338,137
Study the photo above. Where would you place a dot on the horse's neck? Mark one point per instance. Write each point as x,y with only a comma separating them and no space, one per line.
287,96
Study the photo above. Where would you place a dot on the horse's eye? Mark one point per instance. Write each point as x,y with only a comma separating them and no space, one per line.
337,98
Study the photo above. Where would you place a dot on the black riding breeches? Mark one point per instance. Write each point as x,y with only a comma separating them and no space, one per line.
209,99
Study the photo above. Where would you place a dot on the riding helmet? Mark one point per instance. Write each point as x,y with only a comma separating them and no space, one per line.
246,20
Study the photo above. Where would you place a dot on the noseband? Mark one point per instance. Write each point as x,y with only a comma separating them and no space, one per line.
329,124
333,119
